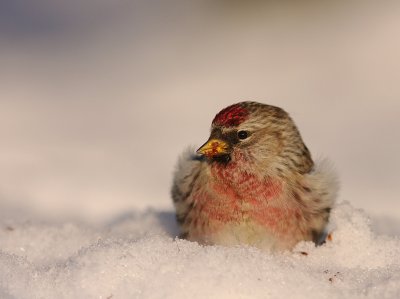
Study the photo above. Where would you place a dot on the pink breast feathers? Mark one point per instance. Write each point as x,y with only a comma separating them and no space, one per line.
231,116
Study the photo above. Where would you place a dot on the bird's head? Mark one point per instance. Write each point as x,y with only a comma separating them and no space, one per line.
258,133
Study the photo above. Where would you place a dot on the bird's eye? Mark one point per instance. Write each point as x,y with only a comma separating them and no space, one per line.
242,134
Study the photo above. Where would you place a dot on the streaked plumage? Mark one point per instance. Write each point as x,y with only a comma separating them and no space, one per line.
253,182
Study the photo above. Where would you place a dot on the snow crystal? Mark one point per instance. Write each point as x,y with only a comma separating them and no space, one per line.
138,256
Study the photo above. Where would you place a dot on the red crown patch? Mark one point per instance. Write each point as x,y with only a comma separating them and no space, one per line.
231,116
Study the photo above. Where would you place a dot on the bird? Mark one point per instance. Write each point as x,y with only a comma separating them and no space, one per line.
253,182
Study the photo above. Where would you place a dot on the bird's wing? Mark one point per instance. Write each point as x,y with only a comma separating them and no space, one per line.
186,173
324,185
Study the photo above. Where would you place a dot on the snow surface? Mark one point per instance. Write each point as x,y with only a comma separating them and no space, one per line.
137,255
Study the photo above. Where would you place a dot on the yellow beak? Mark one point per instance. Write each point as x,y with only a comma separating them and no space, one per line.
213,147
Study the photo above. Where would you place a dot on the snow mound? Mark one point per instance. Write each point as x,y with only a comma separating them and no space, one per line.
138,256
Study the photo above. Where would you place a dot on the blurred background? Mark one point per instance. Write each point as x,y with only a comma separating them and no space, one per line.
98,98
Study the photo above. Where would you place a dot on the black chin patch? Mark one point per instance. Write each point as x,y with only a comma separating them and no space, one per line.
199,158
223,159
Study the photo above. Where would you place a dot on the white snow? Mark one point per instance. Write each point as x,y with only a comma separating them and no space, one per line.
138,256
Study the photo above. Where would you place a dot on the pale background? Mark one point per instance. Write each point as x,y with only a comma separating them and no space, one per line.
98,97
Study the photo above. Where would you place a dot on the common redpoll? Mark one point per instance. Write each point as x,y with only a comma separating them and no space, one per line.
253,182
